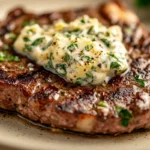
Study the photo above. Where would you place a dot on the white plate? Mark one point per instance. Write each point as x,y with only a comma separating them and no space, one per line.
16,133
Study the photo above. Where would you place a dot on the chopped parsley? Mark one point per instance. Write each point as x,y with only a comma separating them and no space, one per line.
61,69
101,104
72,46
8,57
79,81
83,21
51,56
90,30
50,63
3,56
86,58
21,66
67,57
114,65
68,35
38,41
30,31
139,81
107,34
12,36
29,23
89,77
13,58
106,42
46,46
76,30
27,48
125,115
26,39
113,55
88,47
93,68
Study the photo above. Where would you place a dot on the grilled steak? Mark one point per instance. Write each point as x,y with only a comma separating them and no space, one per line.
120,106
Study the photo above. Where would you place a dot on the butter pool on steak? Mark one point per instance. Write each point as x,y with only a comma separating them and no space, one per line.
82,52
120,106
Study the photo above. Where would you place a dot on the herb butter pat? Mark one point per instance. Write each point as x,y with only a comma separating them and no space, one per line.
83,51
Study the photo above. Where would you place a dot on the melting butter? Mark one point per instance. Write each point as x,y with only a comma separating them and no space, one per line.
83,51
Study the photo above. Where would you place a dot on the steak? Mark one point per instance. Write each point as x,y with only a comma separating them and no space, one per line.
43,97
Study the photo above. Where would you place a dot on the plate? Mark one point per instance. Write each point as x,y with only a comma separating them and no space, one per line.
21,134
16,133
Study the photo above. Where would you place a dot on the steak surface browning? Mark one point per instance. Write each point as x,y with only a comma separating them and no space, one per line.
44,97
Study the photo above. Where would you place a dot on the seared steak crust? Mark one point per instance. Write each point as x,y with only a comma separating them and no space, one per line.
44,97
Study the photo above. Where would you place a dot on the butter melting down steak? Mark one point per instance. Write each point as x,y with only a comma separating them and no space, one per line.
121,105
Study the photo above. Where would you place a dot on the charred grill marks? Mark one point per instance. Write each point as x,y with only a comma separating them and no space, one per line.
41,96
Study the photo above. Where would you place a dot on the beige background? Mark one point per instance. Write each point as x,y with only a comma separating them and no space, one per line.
18,134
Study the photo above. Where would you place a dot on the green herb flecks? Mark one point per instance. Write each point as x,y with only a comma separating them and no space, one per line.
26,39
61,69
102,104
107,34
12,36
46,46
83,21
13,58
3,56
86,58
142,3
106,42
75,30
113,55
21,67
7,57
27,47
125,115
114,65
80,81
89,77
50,65
38,41
29,23
30,31
88,47
90,30
67,57
72,46
93,68
68,35
140,81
